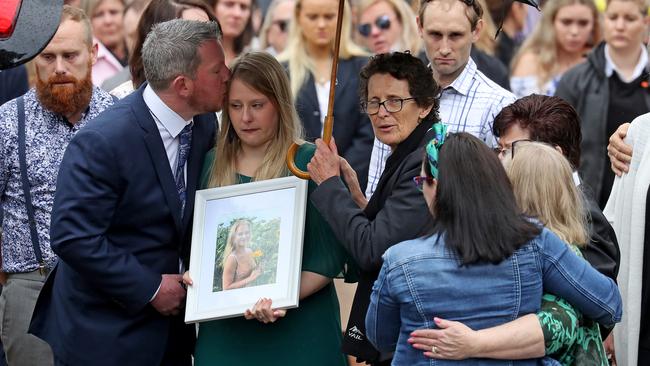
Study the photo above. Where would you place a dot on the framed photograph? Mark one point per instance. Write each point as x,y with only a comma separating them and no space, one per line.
246,244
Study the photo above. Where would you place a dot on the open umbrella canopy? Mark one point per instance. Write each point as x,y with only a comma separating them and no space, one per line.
26,27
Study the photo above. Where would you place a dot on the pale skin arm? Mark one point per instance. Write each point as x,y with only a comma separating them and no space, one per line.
519,339
229,269
620,154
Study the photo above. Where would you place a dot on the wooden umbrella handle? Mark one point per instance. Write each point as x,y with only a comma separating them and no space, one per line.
328,125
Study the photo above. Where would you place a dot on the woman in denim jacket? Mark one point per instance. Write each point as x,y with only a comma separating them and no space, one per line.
484,264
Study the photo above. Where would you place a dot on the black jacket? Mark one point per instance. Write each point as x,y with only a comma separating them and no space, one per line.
352,129
586,88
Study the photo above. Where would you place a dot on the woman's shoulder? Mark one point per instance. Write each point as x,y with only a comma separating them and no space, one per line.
527,65
408,249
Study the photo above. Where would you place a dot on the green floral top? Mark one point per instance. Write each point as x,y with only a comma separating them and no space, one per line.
570,338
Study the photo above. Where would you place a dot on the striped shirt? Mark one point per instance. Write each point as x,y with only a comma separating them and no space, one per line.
468,104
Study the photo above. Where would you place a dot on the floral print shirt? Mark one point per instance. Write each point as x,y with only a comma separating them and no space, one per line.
47,136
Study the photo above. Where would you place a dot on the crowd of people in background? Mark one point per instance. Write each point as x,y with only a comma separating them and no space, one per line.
487,184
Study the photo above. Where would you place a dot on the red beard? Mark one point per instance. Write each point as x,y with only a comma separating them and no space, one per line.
65,99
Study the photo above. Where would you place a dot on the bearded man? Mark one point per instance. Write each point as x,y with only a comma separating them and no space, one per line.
35,130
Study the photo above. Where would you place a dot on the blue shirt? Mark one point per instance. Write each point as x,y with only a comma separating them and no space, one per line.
47,135
423,278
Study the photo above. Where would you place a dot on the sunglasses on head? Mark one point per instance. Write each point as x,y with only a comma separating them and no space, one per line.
382,22
282,24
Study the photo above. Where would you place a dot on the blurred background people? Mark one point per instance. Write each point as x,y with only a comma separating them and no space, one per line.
309,56
13,83
275,28
566,33
236,21
107,20
132,13
611,88
386,26
158,11
512,16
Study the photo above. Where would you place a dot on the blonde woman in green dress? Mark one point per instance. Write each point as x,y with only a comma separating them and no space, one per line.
259,123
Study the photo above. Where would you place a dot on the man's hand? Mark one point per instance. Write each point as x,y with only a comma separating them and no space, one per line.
170,296
326,163
620,154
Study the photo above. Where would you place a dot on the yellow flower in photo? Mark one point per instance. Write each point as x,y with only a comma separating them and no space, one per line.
258,253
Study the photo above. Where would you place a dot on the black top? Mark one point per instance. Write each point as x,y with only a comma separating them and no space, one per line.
506,48
644,335
626,102
13,83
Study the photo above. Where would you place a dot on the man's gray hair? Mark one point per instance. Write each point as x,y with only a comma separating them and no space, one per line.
171,49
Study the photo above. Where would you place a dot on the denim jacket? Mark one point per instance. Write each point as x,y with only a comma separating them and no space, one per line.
423,278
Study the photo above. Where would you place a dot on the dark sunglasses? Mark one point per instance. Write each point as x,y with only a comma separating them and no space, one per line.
282,24
419,181
382,22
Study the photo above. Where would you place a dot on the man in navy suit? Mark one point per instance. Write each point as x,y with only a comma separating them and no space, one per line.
121,221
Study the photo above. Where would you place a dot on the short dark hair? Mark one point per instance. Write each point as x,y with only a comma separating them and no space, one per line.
548,119
404,66
481,225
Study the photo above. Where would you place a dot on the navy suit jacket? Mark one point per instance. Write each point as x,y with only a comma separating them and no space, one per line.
352,129
117,227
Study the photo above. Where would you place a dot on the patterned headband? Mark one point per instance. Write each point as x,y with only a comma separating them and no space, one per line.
433,147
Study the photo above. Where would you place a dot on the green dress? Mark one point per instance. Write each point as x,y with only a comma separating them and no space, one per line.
570,338
307,335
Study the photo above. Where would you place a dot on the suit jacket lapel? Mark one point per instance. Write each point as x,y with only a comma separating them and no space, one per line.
309,98
158,156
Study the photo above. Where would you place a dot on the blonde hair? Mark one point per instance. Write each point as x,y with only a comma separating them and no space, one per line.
300,64
263,73
543,41
409,38
268,22
543,184
642,4
231,237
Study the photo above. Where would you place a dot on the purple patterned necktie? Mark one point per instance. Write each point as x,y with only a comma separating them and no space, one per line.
184,146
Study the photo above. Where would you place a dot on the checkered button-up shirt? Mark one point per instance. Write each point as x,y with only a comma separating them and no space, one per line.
46,137
469,104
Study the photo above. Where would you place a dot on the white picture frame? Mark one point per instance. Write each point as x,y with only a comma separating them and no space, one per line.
276,209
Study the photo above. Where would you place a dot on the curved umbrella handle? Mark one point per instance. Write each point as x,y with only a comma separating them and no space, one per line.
328,125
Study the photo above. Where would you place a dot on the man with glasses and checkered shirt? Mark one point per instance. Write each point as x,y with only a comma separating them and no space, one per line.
469,100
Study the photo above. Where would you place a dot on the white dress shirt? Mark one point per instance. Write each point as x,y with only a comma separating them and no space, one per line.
169,124
468,104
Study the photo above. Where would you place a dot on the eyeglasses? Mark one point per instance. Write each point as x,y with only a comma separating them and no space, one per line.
419,181
510,151
392,105
382,22
282,24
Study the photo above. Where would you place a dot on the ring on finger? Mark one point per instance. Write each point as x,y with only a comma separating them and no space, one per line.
433,349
